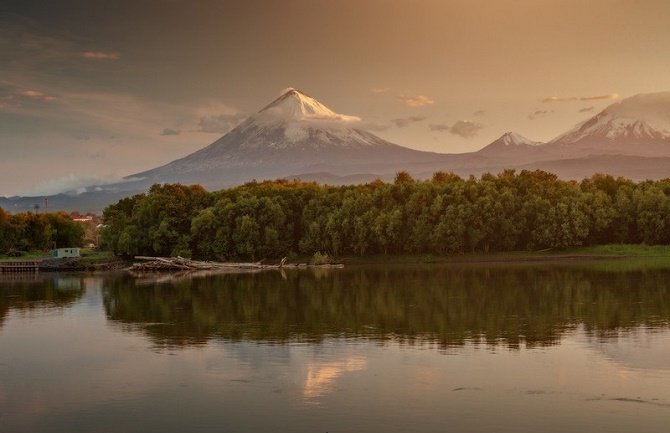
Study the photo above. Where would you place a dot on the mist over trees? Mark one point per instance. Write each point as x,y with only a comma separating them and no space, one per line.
31,231
529,210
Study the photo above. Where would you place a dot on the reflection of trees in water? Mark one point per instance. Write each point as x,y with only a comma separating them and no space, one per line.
47,293
444,305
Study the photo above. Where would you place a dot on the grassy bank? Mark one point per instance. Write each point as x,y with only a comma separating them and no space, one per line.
610,251
28,255
86,255
627,250
94,259
88,261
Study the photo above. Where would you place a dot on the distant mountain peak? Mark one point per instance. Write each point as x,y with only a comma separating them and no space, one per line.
641,118
651,108
508,144
515,139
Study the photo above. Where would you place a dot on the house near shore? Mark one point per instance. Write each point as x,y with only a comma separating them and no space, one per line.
65,252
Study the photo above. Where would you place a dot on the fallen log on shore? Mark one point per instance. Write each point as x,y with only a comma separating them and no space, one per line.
182,264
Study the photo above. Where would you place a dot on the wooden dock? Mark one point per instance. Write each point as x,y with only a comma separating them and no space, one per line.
20,266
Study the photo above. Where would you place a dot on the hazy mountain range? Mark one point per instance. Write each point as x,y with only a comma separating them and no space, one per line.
296,136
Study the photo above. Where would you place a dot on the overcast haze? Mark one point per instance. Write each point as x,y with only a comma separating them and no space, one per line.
91,90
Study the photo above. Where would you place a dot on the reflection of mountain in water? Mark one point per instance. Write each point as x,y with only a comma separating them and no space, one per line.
23,294
642,349
444,305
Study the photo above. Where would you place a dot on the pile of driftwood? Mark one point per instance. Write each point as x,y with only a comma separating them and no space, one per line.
153,264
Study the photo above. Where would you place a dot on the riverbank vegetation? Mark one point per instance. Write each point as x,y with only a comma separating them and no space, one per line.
525,211
29,231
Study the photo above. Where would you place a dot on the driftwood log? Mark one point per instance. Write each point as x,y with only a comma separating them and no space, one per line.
182,264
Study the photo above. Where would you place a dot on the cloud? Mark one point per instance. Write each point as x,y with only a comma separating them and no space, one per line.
462,128
406,121
375,126
12,96
49,119
599,97
479,113
100,55
68,183
32,96
439,127
220,123
416,100
98,117
586,109
539,113
465,128
170,131
581,98
96,155
558,99
32,46
35,94
379,89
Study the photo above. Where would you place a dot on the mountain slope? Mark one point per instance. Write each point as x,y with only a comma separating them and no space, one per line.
632,167
639,125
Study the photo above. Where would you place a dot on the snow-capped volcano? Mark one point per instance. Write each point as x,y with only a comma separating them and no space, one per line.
507,144
639,125
293,134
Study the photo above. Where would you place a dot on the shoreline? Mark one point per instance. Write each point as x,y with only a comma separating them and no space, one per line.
481,258
104,261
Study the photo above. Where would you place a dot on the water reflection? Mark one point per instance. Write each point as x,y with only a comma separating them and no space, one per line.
448,306
29,292
644,349
341,351
321,376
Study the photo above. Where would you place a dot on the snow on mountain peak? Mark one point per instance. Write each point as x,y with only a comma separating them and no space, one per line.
651,108
510,143
299,116
643,116
514,139
295,105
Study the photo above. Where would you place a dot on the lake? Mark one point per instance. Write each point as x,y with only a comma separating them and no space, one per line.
530,347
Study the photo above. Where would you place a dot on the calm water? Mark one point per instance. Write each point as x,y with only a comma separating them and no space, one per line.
486,348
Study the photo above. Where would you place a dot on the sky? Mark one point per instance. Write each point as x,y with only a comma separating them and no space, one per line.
93,90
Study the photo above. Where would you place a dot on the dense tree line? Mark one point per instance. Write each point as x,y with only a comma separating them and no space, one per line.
31,231
529,210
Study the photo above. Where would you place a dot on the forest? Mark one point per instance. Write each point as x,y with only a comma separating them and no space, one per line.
448,214
29,231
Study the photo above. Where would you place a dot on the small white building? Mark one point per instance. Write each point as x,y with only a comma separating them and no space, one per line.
65,252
